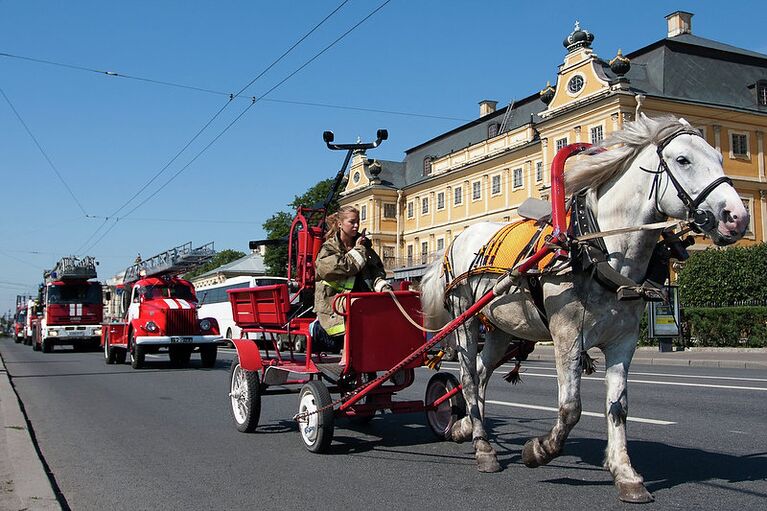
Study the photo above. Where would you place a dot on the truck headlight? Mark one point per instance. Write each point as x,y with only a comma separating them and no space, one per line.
151,326
53,333
205,324
97,332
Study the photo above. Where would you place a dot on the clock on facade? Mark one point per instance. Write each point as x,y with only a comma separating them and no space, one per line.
575,84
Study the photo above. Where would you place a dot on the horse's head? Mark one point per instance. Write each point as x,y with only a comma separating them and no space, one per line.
699,191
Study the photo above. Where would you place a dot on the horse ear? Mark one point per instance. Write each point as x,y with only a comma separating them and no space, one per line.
683,121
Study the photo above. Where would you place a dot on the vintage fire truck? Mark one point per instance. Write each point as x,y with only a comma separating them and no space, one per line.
159,311
70,308
21,330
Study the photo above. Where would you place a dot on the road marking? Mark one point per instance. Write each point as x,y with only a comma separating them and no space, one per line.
657,422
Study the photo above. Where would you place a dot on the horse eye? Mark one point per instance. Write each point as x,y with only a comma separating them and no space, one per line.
682,160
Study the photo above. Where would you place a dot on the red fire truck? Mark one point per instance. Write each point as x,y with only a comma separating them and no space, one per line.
159,312
70,308
21,330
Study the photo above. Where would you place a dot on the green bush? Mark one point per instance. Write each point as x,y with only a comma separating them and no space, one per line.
744,327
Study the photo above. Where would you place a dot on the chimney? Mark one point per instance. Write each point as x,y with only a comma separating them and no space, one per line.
679,22
486,106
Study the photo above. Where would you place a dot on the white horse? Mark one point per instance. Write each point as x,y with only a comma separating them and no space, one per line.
656,169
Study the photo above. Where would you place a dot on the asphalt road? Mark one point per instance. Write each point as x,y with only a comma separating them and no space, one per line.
162,438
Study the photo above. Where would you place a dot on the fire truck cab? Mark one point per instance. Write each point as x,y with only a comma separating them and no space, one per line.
159,312
71,306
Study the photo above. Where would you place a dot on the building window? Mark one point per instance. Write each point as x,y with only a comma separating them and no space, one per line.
410,209
495,184
424,205
390,210
596,135
761,92
410,255
440,200
388,256
424,251
538,171
427,165
363,213
518,182
748,203
562,142
492,130
739,145
458,195
476,190
440,244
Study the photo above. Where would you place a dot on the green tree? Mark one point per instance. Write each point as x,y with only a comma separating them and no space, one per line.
277,227
221,258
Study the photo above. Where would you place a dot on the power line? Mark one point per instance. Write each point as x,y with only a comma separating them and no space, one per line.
42,151
317,55
200,131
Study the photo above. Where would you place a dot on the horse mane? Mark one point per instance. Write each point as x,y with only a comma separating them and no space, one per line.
623,146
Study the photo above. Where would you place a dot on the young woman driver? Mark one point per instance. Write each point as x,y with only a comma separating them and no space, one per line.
346,262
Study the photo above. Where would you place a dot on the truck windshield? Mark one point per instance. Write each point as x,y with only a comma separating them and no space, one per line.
89,293
22,317
171,291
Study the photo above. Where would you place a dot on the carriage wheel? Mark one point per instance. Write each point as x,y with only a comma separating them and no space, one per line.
316,429
245,397
449,412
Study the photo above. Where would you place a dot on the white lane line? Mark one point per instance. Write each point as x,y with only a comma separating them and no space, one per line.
671,383
657,422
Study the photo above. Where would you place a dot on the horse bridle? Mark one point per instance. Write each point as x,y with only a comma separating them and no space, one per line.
702,221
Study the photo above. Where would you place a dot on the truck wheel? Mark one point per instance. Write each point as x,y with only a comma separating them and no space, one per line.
137,354
208,355
120,355
35,345
300,344
244,397
449,412
109,352
27,341
17,339
47,345
317,428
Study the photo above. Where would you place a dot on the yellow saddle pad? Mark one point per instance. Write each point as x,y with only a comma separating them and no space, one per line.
510,245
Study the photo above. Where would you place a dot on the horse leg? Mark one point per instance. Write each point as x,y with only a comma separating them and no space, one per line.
496,344
541,450
629,483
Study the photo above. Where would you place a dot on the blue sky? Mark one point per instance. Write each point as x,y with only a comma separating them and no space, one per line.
108,136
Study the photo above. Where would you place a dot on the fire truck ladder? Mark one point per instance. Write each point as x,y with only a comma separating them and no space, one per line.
177,260
72,268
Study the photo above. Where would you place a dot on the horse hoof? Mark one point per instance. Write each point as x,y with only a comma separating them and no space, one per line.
487,461
529,457
634,493
459,433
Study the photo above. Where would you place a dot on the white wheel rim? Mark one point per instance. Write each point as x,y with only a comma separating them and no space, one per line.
240,394
439,418
310,425
106,351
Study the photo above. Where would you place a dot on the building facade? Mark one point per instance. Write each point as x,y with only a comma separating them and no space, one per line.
483,170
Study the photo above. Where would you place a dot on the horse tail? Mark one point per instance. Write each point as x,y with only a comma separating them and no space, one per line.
435,315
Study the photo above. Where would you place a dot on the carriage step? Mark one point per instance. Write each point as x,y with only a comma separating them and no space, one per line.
331,369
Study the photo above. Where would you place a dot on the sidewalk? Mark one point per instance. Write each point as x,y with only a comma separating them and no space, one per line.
731,358
24,484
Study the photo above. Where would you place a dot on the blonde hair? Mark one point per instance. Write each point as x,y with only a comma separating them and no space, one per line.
334,220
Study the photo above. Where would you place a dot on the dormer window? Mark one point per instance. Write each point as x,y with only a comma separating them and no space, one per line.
492,130
761,92
427,165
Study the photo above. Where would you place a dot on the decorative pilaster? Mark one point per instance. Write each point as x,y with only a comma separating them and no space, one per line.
717,137
760,153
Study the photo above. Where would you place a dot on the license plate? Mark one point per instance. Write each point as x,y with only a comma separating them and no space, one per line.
76,333
180,339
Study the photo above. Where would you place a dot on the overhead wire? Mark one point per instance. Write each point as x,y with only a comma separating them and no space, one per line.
201,130
254,101
42,151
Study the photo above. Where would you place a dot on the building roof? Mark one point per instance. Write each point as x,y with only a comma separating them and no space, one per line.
251,264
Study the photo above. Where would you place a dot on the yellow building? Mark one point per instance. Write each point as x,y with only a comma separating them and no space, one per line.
483,170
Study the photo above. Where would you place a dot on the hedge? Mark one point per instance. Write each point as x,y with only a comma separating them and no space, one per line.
742,327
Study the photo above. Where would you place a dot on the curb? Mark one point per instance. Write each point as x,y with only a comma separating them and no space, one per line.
31,488
679,362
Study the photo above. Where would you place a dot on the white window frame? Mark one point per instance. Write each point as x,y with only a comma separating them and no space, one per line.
740,156
557,141
458,195
393,207
363,213
440,201
601,129
410,209
749,204
517,171
424,205
424,252
493,191
440,244
538,171
476,186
